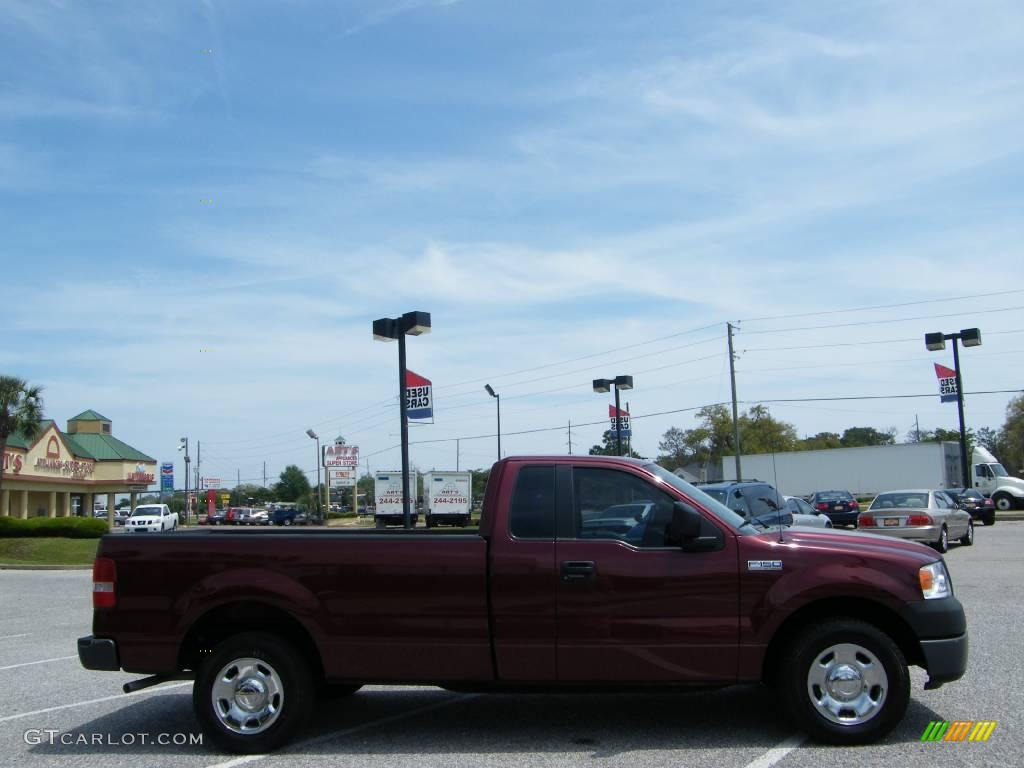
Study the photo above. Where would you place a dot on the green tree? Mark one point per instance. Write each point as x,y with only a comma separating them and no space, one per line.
241,494
820,441
611,447
293,484
1012,435
21,412
761,433
857,437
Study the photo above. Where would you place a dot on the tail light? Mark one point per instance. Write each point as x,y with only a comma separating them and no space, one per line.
822,505
855,504
865,520
104,583
919,520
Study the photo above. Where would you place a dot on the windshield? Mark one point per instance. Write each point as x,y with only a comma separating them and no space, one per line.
998,470
833,496
713,505
146,512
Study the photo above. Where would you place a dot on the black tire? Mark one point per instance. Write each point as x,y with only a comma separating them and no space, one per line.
430,522
333,691
942,545
287,521
887,700
380,524
990,520
1004,502
968,538
295,692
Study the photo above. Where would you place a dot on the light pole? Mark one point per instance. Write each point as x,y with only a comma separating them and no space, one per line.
319,499
971,337
497,397
183,445
396,329
619,382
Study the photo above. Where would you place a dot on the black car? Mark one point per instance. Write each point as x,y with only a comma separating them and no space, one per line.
215,518
839,506
974,502
757,501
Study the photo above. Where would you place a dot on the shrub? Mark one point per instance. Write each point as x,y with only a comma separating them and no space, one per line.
55,527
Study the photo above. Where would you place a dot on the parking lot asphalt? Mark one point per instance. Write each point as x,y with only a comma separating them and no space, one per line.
53,712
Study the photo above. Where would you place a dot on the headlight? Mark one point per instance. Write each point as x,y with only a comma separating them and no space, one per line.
934,581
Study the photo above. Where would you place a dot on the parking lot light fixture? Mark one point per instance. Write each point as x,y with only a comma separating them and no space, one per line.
605,385
319,494
414,323
971,337
496,396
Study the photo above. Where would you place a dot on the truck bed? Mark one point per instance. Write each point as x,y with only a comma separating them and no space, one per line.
375,602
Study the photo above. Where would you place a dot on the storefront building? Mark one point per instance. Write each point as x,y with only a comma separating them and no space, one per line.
54,473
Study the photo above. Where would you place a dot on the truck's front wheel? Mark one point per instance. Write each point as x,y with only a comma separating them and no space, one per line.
253,693
846,682
1004,502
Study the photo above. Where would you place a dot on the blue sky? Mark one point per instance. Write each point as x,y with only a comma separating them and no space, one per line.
552,181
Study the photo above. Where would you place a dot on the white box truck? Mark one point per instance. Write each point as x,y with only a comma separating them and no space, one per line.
448,497
387,492
861,471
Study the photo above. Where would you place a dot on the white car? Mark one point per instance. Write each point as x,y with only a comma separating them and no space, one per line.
151,518
806,515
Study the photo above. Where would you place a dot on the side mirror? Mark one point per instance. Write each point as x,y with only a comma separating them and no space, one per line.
685,523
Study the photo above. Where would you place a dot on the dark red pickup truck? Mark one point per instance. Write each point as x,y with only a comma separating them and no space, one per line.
586,572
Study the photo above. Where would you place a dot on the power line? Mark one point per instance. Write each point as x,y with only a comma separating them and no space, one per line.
884,306
882,322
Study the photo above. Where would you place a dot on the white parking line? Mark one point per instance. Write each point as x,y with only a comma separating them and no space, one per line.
11,637
156,689
779,751
43,661
245,760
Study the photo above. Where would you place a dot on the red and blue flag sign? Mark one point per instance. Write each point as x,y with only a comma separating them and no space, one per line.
620,422
419,398
947,383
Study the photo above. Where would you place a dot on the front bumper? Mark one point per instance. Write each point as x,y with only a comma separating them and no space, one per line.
941,629
98,653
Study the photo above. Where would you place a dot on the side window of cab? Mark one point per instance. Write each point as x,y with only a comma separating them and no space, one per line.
611,504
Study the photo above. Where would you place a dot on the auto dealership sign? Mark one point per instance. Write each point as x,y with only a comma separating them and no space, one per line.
419,396
619,421
342,478
947,383
341,456
140,476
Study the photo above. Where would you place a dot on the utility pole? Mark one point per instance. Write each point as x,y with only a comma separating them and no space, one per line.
629,440
238,477
917,429
199,454
735,414
570,437
264,474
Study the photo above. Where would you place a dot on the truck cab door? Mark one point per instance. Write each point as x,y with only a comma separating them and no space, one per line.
983,479
632,608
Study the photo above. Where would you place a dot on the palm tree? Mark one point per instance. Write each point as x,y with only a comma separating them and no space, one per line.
21,410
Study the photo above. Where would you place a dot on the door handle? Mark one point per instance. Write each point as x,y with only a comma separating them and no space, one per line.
579,570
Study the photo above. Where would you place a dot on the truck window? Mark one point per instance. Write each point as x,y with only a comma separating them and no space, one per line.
532,514
610,504
981,470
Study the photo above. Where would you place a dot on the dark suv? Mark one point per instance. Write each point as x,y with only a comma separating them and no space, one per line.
753,499
840,506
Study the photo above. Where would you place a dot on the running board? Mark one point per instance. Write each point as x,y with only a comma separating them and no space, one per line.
148,682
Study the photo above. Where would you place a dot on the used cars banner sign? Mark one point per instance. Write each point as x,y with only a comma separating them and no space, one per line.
419,398
947,383
620,423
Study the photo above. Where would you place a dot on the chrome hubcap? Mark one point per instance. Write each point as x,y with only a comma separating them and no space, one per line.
847,684
247,696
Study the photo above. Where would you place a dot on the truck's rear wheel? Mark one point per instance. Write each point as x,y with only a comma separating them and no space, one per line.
846,682
253,693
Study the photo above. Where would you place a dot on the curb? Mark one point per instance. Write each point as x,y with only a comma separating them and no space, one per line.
27,567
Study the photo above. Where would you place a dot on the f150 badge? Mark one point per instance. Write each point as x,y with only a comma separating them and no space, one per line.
764,565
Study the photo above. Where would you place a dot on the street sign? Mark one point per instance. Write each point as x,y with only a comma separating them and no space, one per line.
167,478
419,397
947,383
619,423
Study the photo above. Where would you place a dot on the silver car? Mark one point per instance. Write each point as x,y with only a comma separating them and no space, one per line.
927,516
